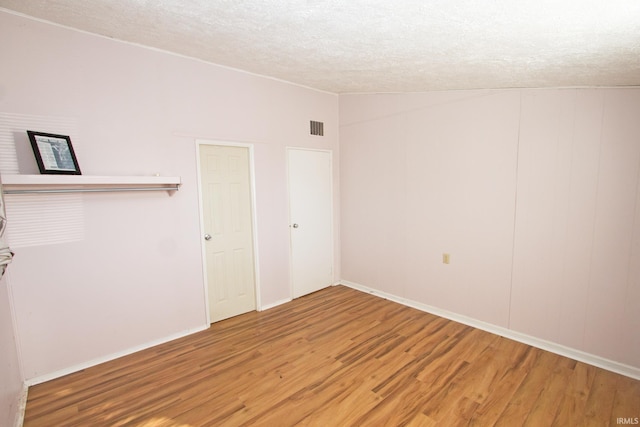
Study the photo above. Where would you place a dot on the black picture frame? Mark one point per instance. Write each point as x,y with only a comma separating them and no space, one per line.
54,153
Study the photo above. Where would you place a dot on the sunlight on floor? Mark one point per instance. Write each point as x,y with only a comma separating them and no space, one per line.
162,422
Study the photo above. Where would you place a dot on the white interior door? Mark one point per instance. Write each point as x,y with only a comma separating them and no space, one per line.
227,218
311,220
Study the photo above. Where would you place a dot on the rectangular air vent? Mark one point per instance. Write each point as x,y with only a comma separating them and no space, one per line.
317,128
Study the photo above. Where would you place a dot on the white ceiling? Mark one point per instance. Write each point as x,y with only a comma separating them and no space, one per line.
345,46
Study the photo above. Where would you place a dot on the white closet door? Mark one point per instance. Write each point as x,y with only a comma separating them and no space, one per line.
228,230
310,215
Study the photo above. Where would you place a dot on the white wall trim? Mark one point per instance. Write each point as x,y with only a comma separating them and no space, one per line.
275,304
70,370
22,405
166,52
591,359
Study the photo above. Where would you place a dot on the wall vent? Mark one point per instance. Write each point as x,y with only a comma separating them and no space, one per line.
317,128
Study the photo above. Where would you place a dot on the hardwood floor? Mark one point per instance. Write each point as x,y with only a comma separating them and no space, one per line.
338,357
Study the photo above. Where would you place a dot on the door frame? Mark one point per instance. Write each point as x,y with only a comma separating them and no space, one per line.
254,221
332,219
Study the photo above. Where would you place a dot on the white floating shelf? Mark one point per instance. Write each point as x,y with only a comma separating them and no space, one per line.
22,184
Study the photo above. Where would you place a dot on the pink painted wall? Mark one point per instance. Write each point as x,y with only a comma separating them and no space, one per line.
10,375
534,193
576,262
425,185
136,275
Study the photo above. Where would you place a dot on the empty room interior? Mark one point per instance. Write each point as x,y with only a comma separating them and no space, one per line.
320,213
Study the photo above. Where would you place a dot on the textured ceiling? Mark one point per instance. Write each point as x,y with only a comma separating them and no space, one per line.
347,46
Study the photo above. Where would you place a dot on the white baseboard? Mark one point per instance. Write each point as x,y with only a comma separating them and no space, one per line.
57,374
60,373
572,353
275,304
21,405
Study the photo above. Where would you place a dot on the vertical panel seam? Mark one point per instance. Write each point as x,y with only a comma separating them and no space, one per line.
515,213
634,224
570,186
593,228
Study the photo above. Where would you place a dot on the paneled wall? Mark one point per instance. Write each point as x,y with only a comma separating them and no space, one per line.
533,193
131,275
576,256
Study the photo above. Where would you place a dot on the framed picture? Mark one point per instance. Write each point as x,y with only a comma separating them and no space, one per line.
54,153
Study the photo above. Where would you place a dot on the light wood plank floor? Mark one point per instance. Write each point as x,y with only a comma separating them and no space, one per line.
338,357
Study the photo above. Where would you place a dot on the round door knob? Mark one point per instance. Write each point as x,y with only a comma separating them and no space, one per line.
207,237
295,225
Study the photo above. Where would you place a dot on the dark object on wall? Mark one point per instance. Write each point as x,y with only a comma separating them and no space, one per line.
54,153
316,128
